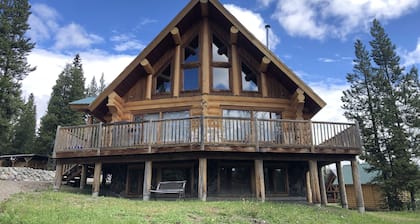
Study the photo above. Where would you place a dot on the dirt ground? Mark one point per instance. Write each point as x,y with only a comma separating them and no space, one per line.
8,188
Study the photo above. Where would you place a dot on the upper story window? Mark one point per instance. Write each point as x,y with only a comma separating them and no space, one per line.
163,82
249,79
191,66
220,65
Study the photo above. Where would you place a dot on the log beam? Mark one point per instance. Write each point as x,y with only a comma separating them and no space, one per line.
263,69
236,70
96,179
322,186
176,36
308,187
316,195
58,176
202,179
233,35
357,186
83,176
297,103
259,180
204,8
147,66
341,185
147,182
264,64
206,57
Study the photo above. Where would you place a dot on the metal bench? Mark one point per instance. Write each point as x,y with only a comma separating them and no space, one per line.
171,187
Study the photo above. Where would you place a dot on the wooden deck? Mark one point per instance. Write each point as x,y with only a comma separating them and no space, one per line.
222,134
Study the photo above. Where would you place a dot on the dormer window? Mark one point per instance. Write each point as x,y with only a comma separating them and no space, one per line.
220,65
164,81
191,66
249,79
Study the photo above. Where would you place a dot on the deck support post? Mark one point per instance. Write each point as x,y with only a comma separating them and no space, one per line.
83,176
316,195
202,179
357,186
342,186
58,176
96,179
147,182
259,180
308,187
322,187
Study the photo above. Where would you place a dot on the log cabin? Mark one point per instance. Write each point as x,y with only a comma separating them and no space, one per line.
208,103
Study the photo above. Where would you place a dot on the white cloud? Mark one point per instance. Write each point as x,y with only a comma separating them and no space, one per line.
73,35
42,22
336,18
327,60
126,42
254,23
412,57
265,3
331,92
50,65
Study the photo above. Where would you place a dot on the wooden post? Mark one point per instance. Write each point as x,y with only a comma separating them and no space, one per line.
316,195
177,60
308,187
357,186
263,69
58,176
147,182
83,176
322,187
96,179
206,57
149,81
236,72
202,179
259,180
342,186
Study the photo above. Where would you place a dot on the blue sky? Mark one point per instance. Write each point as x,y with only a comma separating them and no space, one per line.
312,37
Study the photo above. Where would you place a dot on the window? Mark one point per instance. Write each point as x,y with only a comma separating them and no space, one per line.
220,64
163,81
249,79
191,65
237,125
164,127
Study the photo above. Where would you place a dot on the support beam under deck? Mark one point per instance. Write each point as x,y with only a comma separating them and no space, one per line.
342,186
357,186
96,179
202,179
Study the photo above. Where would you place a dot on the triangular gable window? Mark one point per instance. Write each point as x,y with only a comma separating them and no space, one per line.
164,81
249,79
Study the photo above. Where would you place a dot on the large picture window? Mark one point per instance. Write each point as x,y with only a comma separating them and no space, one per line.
220,65
191,66
237,125
165,127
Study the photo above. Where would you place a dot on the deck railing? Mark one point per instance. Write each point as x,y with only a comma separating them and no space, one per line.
204,131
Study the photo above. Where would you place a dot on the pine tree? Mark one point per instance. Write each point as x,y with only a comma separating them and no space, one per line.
102,84
24,130
68,88
92,89
14,48
383,100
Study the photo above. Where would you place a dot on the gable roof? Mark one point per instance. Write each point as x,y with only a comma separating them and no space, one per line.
183,21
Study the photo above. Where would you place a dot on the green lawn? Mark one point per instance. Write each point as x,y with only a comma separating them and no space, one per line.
64,207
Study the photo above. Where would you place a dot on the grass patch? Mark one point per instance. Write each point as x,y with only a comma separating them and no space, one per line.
64,207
